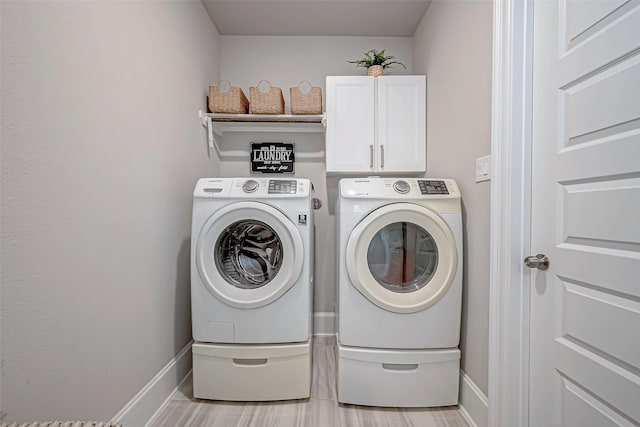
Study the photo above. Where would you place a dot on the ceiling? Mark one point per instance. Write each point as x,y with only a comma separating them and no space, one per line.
371,18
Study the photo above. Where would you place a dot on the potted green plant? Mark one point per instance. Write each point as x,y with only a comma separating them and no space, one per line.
375,61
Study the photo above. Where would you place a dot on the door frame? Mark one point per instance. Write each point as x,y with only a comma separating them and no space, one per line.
509,286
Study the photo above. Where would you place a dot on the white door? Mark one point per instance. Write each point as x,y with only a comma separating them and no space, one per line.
350,136
401,123
585,309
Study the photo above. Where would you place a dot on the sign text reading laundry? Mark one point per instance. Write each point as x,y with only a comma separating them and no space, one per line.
271,155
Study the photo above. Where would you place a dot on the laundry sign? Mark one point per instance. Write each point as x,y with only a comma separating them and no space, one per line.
272,157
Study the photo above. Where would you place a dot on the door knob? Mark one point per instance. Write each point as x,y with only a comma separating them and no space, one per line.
540,261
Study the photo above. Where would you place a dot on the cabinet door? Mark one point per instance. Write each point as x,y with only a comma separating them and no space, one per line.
401,123
350,134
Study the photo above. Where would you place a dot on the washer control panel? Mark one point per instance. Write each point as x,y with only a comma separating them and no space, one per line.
252,188
281,186
432,187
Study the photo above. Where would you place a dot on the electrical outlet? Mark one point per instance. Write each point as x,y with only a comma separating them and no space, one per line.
483,168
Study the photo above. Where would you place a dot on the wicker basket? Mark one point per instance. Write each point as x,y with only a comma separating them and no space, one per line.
309,102
270,102
230,101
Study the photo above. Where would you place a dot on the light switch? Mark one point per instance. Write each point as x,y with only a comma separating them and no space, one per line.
483,168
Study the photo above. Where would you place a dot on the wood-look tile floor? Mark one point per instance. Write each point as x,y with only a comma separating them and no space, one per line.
321,410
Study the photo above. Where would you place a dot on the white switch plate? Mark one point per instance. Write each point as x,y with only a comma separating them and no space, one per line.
483,168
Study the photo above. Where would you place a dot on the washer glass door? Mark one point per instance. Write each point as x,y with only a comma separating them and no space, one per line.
249,254
402,257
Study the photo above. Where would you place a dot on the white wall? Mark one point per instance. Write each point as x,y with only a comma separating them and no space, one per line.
285,61
101,147
453,47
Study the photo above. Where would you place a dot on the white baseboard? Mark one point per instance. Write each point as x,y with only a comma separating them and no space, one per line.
324,323
474,405
153,396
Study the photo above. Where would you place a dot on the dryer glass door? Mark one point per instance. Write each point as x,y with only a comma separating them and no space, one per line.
402,257
249,254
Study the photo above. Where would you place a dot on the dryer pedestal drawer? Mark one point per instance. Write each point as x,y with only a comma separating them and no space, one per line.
251,372
401,378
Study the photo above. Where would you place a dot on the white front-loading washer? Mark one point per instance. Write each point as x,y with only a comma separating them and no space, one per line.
399,293
251,288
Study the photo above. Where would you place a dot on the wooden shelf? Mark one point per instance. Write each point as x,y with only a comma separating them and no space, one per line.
219,124
262,118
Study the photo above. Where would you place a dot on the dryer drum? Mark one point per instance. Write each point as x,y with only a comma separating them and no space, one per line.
402,257
248,254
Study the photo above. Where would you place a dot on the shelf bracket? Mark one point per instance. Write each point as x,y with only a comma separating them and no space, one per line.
211,136
204,119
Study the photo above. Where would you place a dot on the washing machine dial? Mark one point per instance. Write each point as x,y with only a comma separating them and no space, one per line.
401,187
250,186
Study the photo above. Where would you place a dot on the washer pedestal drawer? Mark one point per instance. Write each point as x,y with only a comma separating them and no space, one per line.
251,372
399,378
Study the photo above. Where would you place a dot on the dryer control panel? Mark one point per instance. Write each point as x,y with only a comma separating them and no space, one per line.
432,187
399,188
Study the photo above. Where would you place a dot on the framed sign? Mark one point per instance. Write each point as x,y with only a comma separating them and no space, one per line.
272,157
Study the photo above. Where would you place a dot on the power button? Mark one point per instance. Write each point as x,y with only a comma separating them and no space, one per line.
401,187
250,186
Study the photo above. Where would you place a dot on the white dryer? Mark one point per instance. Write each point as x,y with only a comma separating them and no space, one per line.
399,291
251,288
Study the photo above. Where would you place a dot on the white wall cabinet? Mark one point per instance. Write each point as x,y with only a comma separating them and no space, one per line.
376,124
